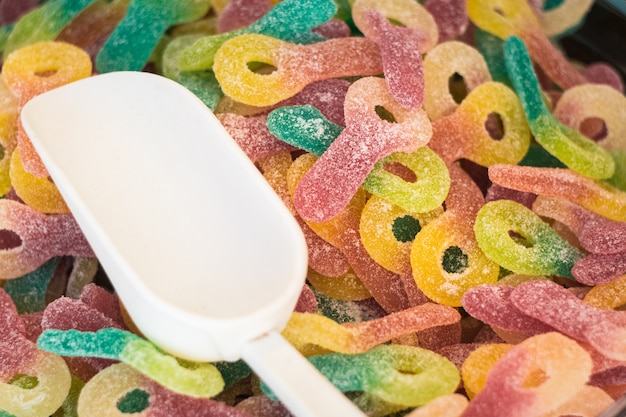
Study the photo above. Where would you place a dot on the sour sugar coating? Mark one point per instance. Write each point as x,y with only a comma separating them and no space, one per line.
198,380
35,69
344,287
8,131
595,233
605,330
595,196
388,231
580,105
444,61
323,257
342,231
145,23
445,258
450,16
491,304
43,23
289,20
37,238
513,389
608,296
511,18
399,374
310,332
327,187
241,13
475,368
120,390
466,132
451,405
21,363
578,152
296,65
39,193
402,60
252,135
538,251
596,269
29,291
568,14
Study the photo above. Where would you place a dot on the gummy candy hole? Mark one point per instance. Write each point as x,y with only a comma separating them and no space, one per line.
400,170
134,401
24,381
594,128
535,378
385,114
494,126
454,261
45,73
499,11
262,68
520,240
395,22
457,87
405,228
9,239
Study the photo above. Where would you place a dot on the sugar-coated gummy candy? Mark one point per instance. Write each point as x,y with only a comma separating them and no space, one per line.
564,16
445,257
607,296
145,23
327,187
399,374
538,251
289,20
476,366
346,286
43,23
575,150
466,133
596,269
595,196
342,231
202,380
441,63
29,291
450,16
35,69
310,332
39,238
295,69
8,129
241,13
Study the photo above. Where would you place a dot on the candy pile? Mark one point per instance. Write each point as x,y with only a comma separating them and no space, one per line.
461,185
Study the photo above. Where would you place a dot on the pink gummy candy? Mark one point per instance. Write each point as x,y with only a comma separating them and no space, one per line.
253,136
15,349
595,269
327,96
39,238
336,176
451,17
402,60
241,13
554,305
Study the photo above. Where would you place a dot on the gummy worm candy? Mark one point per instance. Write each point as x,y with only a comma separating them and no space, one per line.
296,65
35,69
202,380
442,62
399,374
335,177
465,133
304,330
605,330
546,254
509,389
120,390
568,145
445,257
145,23
289,20
564,183
596,268
43,23
41,237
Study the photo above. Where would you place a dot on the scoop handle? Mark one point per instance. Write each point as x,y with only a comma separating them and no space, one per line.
294,380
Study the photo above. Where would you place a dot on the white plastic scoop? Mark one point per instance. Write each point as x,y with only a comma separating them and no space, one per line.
204,255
